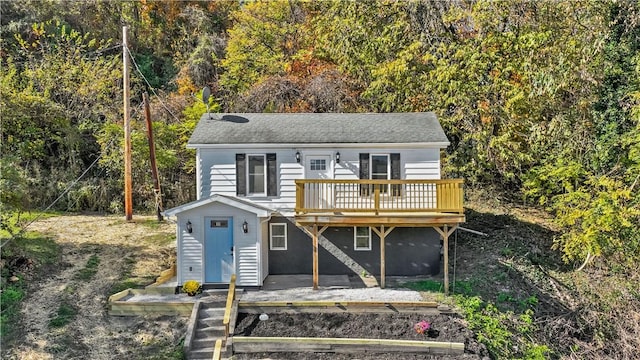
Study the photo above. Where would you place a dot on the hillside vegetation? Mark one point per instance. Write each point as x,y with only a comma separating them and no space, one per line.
540,100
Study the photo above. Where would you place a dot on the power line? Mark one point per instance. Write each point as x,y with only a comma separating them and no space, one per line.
133,60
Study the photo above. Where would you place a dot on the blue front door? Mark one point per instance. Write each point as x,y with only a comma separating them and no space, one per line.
218,249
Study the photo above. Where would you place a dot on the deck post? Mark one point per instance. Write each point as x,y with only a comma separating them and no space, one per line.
315,256
382,259
446,260
382,233
445,232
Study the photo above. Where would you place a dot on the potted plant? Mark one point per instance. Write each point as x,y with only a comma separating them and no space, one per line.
192,287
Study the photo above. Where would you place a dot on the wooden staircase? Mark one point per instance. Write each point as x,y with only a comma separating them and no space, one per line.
207,328
212,319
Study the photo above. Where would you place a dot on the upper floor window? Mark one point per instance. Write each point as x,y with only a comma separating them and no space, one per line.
380,167
256,174
318,164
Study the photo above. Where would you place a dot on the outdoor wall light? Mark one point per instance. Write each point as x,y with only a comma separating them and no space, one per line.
245,227
189,227
338,157
298,156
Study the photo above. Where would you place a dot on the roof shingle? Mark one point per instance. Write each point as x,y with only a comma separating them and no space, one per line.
317,128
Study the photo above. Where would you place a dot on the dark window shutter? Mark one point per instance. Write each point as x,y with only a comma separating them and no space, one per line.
241,174
396,189
364,173
272,175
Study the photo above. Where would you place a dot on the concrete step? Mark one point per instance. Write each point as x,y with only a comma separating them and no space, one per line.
205,354
211,312
210,331
201,343
207,322
201,354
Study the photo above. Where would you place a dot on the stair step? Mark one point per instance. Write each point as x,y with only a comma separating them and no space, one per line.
201,353
208,342
204,332
207,322
211,312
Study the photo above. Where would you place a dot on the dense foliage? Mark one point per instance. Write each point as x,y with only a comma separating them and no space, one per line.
540,99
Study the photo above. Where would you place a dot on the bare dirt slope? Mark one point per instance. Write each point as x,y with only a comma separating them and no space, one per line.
135,251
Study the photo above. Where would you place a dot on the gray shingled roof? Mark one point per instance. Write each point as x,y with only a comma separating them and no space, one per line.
318,128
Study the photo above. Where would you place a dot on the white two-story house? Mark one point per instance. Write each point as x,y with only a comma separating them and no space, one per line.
316,194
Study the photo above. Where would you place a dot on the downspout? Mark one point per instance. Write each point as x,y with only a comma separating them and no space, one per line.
267,219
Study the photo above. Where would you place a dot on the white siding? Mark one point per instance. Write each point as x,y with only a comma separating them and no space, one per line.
246,247
247,265
219,174
421,164
190,251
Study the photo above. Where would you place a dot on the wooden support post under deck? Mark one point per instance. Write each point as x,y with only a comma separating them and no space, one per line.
314,235
315,257
382,234
446,261
446,232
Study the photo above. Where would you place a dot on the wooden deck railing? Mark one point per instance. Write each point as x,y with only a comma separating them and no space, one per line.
377,196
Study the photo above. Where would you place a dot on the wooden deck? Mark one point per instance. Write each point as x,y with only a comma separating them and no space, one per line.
381,205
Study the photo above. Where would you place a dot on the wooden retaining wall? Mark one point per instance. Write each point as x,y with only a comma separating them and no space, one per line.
259,307
249,344
119,307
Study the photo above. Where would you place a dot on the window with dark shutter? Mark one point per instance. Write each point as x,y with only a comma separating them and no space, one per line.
364,174
272,175
396,189
241,175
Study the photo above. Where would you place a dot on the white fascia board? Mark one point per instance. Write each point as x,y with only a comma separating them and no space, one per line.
220,199
426,145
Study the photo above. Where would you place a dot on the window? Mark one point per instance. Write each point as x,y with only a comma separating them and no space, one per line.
256,174
362,238
380,167
278,238
318,164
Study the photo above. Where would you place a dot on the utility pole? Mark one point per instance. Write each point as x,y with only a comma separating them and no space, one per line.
152,156
128,197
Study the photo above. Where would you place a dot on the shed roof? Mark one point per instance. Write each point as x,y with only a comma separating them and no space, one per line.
244,204
318,128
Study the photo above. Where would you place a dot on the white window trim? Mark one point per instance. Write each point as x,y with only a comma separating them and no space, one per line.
271,247
388,156
355,240
264,164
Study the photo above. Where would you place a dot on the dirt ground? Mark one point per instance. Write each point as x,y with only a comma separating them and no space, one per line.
370,326
138,250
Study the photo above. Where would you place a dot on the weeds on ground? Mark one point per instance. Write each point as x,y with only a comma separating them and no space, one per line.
20,258
160,239
90,270
163,350
127,280
505,333
65,314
